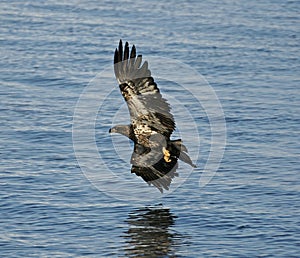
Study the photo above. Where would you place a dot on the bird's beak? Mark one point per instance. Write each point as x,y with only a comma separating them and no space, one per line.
111,130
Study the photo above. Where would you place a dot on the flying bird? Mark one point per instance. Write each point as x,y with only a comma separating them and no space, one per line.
155,155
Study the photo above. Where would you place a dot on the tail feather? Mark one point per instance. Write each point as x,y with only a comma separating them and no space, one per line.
179,145
182,152
185,158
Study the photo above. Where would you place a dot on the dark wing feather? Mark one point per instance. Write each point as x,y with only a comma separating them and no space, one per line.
149,111
153,168
156,164
154,177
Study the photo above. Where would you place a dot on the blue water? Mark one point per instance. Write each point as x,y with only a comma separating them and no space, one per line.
249,53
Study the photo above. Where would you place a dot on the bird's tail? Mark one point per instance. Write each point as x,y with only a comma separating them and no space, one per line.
181,151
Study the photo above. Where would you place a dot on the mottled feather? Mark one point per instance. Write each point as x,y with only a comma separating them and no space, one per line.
155,156
145,103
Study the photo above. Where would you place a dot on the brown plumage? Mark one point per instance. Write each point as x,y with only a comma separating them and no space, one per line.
155,156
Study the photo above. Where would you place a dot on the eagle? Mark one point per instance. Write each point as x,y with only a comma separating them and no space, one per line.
155,156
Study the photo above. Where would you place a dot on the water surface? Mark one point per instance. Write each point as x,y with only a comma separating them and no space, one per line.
249,53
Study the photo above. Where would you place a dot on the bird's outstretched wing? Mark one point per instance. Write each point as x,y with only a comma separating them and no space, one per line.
155,177
149,111
156,164
154,167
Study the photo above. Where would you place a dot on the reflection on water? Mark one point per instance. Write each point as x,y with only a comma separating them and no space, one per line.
149,233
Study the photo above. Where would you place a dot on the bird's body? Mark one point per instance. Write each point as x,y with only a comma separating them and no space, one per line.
155,155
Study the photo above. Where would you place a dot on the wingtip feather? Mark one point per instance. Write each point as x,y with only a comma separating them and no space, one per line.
126,51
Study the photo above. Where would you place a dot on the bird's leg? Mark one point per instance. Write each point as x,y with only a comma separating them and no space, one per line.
167,155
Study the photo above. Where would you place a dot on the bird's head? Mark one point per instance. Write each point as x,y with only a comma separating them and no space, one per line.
121,129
